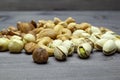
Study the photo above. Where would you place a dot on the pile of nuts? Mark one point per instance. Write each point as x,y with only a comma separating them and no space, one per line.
58,38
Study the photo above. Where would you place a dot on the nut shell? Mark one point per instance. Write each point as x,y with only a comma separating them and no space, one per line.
40,55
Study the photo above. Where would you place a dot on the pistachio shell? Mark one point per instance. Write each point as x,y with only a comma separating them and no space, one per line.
69,45
95,29
94,38
99,44
78,33
117,42
55,43
108,36
109,47
60,53
84,50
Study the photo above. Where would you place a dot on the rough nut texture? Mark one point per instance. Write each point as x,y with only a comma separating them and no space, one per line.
40,55
29,47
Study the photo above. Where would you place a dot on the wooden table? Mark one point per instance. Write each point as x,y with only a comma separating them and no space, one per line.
97,67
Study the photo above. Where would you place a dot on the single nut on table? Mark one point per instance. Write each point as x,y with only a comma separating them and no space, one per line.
4,44
40,55
29,47
84,50
109,47
60,53
15,45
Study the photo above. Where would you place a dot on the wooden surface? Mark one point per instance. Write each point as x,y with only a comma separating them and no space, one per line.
97,67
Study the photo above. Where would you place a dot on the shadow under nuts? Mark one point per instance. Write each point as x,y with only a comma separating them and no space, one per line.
40,55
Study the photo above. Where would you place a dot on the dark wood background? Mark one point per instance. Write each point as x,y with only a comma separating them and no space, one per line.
59,5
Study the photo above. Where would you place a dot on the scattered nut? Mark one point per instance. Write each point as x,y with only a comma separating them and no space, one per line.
40,55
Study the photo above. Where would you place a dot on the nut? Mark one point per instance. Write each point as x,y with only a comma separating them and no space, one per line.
117,42
40,55
109,47
99,44
29,47
25,27
56,20
69,20
84,50
69,45
60,52
4,44
47,33
15,45
29,38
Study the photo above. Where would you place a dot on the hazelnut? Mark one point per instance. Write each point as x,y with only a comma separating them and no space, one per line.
40,55
15,45
4,44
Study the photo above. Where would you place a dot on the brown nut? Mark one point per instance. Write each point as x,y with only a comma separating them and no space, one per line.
47,33
29,47
40,55
25,27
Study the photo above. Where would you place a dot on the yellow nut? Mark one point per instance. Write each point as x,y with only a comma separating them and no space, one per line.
15,45
4,44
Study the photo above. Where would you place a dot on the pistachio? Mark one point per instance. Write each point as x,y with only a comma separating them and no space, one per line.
4,44
40,55
69,45
95,30
99,44
55,43
60,52
78,32
15,45
84,50
109,47
94,38
117,42
108,36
